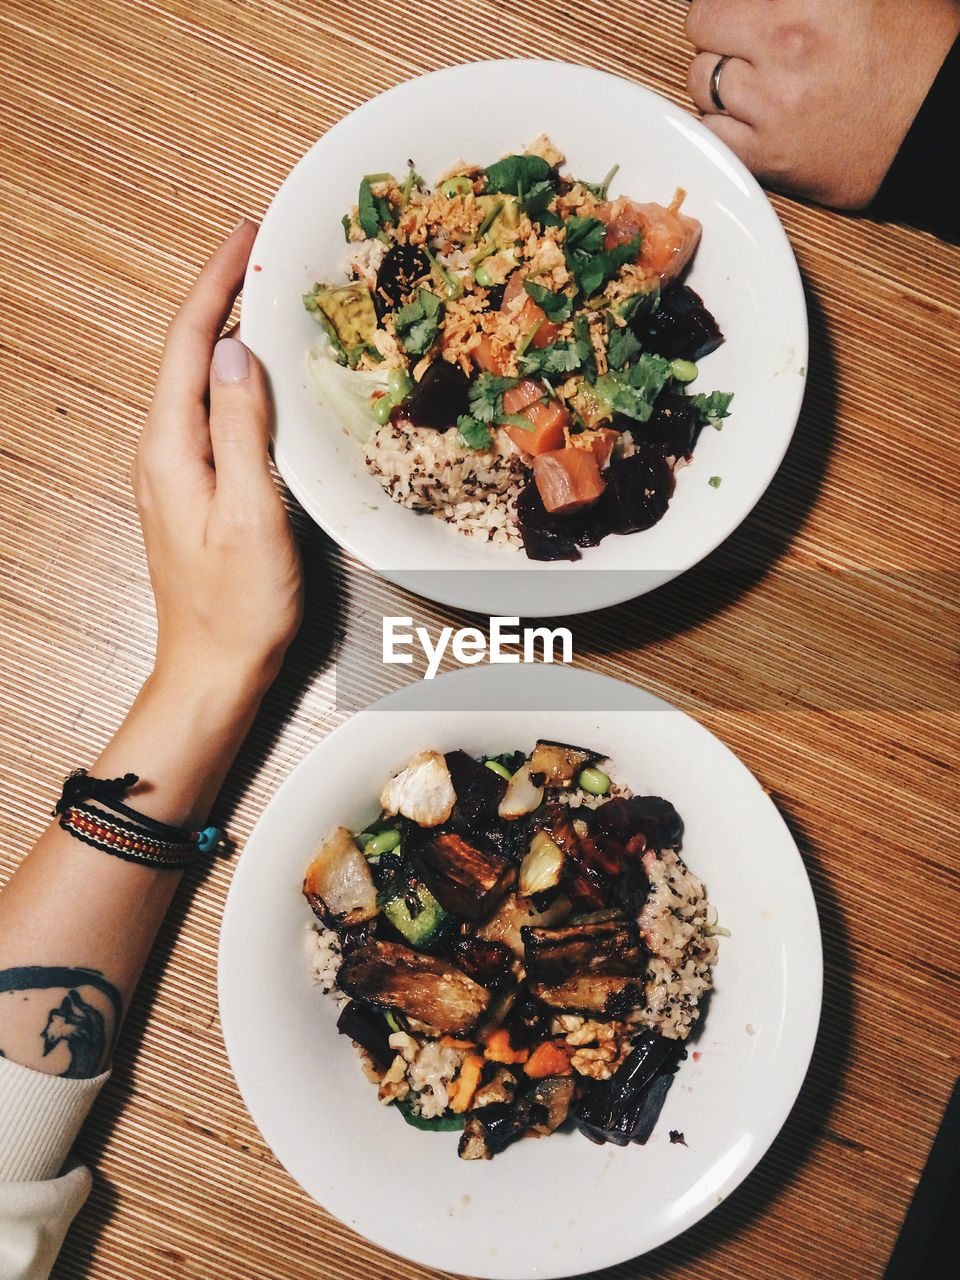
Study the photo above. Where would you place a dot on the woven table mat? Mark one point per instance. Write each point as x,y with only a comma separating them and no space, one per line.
819,643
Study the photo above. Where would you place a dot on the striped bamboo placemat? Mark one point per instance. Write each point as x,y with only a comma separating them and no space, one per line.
819,643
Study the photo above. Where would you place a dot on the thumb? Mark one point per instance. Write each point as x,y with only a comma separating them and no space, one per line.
239,418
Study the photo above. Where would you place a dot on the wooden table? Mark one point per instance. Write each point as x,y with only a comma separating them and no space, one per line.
819,643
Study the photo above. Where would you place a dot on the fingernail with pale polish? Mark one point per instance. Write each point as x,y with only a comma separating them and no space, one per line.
231,363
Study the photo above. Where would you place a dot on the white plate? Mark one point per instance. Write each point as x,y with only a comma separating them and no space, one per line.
557,1206
744,270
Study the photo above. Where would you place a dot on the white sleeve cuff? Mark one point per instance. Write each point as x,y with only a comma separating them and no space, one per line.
39,1119
34,1218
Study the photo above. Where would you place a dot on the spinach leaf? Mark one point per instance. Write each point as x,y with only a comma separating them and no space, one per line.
515,172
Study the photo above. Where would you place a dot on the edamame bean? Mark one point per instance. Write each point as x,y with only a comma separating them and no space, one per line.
382,407
399,385
482,276
458,186
683,370
594,781
497,767
382,842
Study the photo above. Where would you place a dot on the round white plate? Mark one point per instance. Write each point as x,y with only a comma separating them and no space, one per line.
744,270
555,1206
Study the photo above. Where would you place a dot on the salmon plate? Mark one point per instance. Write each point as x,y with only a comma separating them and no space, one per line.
514,350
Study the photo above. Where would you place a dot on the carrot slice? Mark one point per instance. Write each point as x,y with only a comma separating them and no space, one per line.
568,479
552,1058
499,1049
466,1083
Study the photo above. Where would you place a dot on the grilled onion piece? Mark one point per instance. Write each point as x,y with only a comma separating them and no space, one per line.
338,884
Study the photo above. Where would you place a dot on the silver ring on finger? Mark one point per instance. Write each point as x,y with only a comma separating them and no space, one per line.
715,82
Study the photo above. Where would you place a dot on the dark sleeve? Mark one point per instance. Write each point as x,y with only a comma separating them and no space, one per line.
922,186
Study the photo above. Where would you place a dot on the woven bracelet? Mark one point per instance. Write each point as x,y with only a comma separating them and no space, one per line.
92,810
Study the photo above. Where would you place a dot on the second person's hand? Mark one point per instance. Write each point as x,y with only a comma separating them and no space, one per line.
816,96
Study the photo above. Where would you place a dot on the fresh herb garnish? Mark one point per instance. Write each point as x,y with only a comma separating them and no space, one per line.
713,407
373,212
474,434
622,345
486,396
714,482
584,345
346,222
560,357
633,390
599,189
557,307
417,323
587,261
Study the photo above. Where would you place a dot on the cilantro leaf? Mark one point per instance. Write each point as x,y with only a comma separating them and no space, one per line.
417,323
536,198
560,357
373,212
713,407
486,396
622,345
557,307
513,172
633,390
584,235
474,434
587,261
584,345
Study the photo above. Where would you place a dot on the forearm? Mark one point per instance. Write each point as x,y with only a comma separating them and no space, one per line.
77,923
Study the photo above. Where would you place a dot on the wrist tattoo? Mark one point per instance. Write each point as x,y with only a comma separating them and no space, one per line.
48,1010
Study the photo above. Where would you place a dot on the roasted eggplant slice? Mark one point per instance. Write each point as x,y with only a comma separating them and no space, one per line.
611,948
464,878
561,762
431,990
514,913
338,884
367,1028
650,816
592,993
491,1129
625,1108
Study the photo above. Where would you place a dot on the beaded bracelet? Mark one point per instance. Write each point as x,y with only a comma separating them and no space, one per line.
130,835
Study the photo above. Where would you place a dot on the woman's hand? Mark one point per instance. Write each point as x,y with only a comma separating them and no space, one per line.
818,95
223,562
